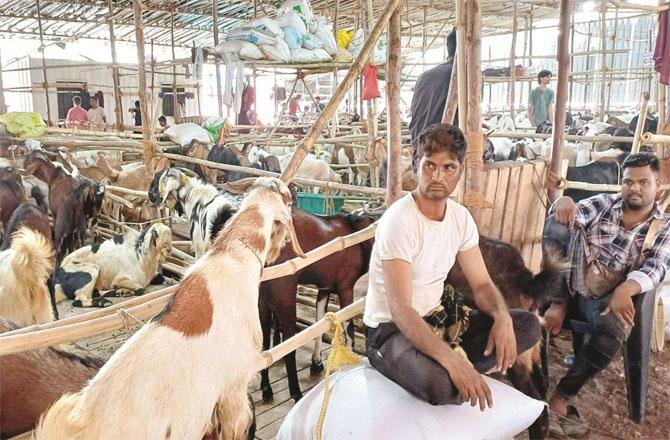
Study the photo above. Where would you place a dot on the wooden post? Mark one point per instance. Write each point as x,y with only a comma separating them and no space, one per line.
561,92
530,44
175,103
394,129
452,96
142,79
45,84
511,98
118,107
572,60
642,117
373,123
474,179
460,67
154,107
660,106
215,28
603,62
588,66
307,142
611,65
3,105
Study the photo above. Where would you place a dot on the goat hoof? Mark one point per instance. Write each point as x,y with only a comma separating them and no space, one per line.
102,302
77,303
268,395
316,368
111,293
140,292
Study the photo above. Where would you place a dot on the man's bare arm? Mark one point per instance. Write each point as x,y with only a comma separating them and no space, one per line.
397,281
530,113
550,113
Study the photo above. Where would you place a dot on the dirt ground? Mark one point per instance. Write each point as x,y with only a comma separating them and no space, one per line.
603,402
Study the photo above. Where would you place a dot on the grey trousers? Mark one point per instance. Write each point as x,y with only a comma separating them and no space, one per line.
394,356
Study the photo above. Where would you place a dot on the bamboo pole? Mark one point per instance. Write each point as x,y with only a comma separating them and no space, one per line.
3,105
642,117
450,106
474,179
109,319
561,93
572,59
611,65
587,67
118,107
215,28
569,137
175,103
461,66
511,98
650,138
142,78
603,62
122,190
393,69
660,106
373,123
307,142
120,200
44,63
530,42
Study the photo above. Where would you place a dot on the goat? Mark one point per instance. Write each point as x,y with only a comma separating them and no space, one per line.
11,193
261,159
206,208
88,163
205,343
311,168
33,380
24,270
74,201
198,150
230,155
122,265
523,290
336,273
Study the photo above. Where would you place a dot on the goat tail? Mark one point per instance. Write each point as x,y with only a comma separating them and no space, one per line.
548,281
33,257
58,422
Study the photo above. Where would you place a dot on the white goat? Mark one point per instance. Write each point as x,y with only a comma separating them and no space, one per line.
311,168
125,264
206,207
197,357
25,269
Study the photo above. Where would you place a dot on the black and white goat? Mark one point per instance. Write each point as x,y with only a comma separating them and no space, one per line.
193,362
206,207
123,265
24,271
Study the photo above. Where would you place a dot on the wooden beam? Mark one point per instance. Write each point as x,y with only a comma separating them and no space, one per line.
450,106
474,179
142,79
3,105
642,117
393,69
511,93
307,142
44,63
603,62
118,106
461,66
561,92
372,119
215,29
175,103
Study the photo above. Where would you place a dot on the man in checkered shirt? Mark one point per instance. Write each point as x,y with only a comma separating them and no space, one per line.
615,227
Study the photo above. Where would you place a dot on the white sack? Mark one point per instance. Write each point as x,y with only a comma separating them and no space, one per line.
183,134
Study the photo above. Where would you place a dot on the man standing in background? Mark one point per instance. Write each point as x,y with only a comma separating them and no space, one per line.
76,116
96,114
541,102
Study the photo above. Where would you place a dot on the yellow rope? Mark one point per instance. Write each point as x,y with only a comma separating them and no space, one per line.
340,356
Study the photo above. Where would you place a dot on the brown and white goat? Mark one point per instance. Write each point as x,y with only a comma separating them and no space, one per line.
166,381
33,380
25,269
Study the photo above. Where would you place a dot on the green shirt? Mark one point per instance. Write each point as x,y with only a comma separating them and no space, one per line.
540,100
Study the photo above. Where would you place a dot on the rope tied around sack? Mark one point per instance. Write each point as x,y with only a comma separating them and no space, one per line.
340,356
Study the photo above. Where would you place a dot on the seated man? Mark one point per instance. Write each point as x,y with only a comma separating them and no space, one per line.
417,242
619,246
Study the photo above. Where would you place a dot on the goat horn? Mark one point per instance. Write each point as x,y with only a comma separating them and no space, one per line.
294,240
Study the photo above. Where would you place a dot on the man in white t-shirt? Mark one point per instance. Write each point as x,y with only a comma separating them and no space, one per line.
417,241
96,114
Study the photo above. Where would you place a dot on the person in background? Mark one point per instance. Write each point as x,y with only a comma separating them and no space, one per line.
96,114
541,102
430,97
319,105
162,121
76,116
293,107
137,113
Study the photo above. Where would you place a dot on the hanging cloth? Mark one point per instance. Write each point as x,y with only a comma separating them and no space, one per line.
370,84
662,52
228,85
239,86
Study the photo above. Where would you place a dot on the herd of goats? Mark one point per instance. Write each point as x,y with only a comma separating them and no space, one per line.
185,373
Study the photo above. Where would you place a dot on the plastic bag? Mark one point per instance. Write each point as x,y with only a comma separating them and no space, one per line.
278,51
343,56
293,19
379,52
213,125
183,134
300,7
344,37
292,37
311,42
309,56
324,32
356,44
24,124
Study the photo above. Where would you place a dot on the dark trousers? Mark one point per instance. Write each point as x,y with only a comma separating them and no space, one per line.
393,355
607,335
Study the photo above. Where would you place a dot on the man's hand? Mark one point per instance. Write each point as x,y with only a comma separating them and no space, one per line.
565,211
468,381
502,339
621,303
554,317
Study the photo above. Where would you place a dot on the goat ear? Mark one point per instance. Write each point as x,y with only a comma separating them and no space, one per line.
287,221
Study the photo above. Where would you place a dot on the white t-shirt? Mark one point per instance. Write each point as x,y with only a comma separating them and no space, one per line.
95,115
430,246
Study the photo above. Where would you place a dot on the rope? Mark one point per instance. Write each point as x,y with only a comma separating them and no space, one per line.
589,427
340,356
